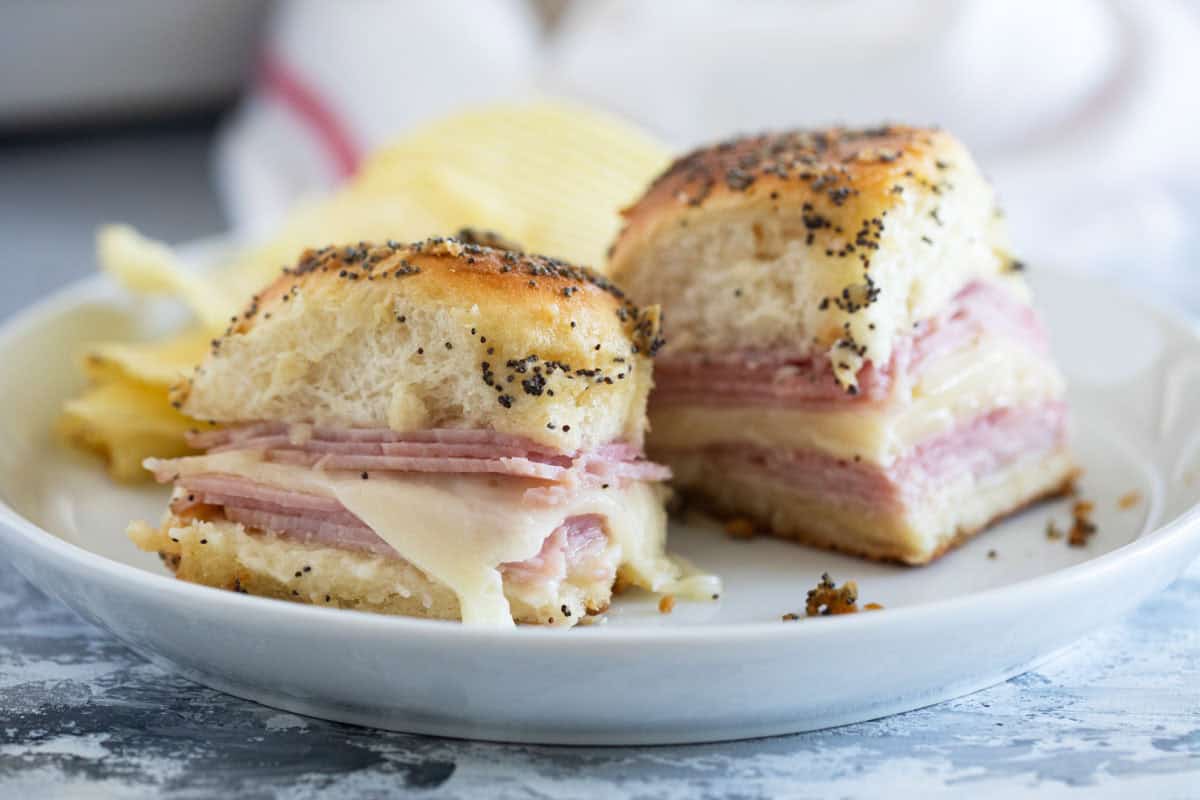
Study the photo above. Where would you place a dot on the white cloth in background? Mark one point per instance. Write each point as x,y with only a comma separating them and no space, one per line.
1084,112
337,80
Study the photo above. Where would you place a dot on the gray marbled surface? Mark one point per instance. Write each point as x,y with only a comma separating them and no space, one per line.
1117,715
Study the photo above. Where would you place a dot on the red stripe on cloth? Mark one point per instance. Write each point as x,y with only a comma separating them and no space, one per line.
279,80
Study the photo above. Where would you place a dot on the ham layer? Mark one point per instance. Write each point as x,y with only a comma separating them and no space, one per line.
978,448
774,378
446,450
576,548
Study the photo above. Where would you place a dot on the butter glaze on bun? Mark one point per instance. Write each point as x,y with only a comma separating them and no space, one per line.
832,242
438,333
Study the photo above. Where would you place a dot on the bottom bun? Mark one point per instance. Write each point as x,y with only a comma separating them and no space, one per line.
914,534
226,555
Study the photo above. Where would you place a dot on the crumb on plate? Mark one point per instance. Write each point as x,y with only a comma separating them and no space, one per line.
740,528
1082,526
828,598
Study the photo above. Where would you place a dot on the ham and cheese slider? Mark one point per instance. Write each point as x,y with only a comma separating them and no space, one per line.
853,359
440,430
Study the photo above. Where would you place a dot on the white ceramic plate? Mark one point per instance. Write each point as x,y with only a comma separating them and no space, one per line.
708,671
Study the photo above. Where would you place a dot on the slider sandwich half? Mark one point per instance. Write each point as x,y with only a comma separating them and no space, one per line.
439,430
853,358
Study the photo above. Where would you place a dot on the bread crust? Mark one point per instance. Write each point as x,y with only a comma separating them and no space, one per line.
435,333
845,175
439,268
829,243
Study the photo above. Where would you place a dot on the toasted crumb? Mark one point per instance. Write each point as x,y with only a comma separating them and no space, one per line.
1129,500
1082,526
827,598
740,528
1081,531
1052,531
991,553
666,604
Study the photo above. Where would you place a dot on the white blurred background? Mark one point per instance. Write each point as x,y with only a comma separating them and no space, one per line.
188,117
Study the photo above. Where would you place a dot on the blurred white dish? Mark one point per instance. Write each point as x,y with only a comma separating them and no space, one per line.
707,671
74,61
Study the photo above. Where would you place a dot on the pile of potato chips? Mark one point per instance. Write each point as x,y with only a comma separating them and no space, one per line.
547,176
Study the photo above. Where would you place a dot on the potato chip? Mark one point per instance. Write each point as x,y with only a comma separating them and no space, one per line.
549,175
125,422
156,364
149,267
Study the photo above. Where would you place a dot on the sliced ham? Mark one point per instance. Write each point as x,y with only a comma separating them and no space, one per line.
401,449
982,446
775,378
301,433
515,467
438,450
574,548
310,530
577,548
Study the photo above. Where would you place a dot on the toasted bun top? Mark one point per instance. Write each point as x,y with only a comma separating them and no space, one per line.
831,241
439,333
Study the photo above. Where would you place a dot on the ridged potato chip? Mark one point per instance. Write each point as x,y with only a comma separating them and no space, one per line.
125,423
153,364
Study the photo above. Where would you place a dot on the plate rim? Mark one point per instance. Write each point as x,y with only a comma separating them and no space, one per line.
1175,531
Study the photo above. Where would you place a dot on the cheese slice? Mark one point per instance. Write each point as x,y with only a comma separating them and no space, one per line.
459,529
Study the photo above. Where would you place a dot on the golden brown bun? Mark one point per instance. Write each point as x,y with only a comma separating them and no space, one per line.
435,334
834,241
225,555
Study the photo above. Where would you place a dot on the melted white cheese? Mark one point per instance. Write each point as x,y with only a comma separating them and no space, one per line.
459,529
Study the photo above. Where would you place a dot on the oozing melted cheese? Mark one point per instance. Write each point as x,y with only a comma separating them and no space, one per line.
459,529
